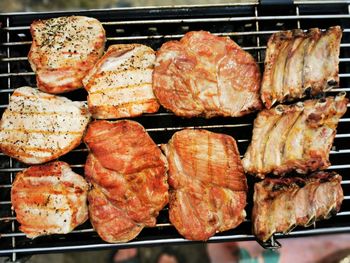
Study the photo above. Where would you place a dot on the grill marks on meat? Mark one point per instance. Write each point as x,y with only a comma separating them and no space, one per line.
120,84
63,51
296,137
282,204
49,199
297,63
111,222
38,127
203,74
128,174
208,185
200,75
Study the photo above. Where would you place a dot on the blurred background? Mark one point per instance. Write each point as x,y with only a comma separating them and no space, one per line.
48,5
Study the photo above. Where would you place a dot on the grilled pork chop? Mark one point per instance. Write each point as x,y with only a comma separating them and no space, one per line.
297,63
295,137
38,127
63,50
49,199
120,84
282,204
203,74
207,183
128,174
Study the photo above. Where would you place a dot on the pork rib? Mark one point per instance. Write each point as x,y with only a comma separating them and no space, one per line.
297,63
282,204
295,137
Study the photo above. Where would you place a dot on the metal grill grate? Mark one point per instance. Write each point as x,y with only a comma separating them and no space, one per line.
249,25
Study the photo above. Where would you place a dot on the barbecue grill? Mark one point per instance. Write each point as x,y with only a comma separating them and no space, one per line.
250,25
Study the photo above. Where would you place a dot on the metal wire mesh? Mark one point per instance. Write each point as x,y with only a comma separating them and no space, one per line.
249,25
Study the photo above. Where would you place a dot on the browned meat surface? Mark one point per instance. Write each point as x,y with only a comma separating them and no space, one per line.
293,70
120,84
206,75
295,137
276,57
49,199
128,174
63,51
282,204
111,223
208,185
321,61
38,127
298,62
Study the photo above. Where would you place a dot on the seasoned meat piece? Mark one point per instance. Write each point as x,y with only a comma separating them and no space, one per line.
206,75
297,63
321,65
292,137
63,50
38,127
120,84
282,204
128,174
49,199
208,185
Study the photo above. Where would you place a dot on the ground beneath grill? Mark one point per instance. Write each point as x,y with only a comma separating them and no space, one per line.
329,248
